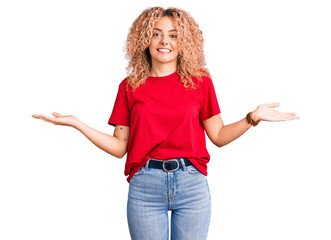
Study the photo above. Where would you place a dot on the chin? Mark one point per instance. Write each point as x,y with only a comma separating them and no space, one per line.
165,60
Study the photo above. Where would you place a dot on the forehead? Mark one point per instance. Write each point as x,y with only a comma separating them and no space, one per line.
165,23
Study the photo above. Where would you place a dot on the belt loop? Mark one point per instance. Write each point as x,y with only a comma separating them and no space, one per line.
146,165
183,164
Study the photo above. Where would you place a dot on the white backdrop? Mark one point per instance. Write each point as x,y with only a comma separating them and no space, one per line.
67,56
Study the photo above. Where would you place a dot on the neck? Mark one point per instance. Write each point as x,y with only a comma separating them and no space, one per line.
161,70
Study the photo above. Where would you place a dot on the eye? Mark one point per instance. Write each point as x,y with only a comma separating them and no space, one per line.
156,34
173,36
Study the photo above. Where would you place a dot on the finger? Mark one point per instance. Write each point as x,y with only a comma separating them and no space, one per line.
287,113
44,117
272,105
294,116
47,118
38,116
291,114
286,118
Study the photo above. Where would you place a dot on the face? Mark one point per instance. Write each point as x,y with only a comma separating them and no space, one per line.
164,47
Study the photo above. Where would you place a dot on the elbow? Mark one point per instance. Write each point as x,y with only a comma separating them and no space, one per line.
218,140
119,150
121,154
219,145
117,154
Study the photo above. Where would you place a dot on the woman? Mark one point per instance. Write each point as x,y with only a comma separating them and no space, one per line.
160,114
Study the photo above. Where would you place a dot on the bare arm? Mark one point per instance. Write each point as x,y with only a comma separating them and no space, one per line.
115,145
221,135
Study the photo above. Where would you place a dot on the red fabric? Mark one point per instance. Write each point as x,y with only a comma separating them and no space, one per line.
165,120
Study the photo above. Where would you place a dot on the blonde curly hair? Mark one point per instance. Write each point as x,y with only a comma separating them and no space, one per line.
190,61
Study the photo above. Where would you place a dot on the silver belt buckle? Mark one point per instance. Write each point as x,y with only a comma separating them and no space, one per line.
175,160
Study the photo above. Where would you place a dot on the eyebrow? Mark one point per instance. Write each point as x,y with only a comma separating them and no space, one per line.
173,30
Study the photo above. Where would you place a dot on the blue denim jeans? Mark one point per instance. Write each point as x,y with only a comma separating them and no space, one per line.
154,192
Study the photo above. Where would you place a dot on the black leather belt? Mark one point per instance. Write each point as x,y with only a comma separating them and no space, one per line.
170,165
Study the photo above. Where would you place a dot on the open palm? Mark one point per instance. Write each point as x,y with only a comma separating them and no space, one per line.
58,119
265,113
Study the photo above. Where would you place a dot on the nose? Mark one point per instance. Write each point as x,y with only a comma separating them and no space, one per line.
164,40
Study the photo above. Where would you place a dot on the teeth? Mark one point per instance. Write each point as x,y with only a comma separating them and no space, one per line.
163,50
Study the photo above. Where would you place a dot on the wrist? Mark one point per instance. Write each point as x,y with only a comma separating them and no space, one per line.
252,121
77,124
255,116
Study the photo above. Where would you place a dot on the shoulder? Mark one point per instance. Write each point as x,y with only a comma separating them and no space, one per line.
205,85
204,76
203,81
124,84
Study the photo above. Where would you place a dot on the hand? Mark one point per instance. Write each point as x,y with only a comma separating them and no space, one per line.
65,120
264,113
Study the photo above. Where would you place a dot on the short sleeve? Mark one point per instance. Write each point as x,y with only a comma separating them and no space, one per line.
209,103
120,114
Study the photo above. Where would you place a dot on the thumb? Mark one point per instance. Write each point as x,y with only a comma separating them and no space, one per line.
55,114
272,105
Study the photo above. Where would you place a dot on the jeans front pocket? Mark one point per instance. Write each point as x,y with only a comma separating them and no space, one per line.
140,171
192,170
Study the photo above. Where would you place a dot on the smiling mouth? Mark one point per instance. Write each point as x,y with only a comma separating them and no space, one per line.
163,50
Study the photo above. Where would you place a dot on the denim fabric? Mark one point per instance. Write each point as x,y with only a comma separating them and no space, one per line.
154,192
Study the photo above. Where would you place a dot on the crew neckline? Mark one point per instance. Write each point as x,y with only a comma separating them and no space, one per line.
170,76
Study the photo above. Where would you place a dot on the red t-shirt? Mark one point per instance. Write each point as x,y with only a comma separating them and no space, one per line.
165,120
